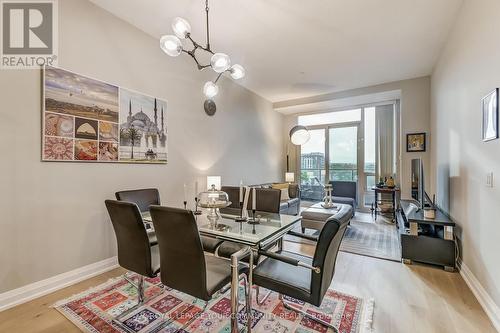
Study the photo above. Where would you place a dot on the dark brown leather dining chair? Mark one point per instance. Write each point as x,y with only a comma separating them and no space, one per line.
144,198
184,266
268,200
233,192
300,277
135,252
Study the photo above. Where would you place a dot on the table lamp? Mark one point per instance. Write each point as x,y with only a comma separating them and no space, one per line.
289,177
214,180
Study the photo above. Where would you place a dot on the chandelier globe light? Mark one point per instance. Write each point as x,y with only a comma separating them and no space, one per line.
210,89
220,63
237,72
181,27
171,45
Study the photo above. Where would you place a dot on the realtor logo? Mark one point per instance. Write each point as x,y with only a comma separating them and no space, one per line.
28,33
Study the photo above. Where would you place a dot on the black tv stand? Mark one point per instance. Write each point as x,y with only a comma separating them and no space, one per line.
426,240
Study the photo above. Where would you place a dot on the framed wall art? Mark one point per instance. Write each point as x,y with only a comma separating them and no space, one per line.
415,142
87,120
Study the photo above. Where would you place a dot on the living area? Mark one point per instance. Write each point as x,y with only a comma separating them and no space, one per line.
235,166
348,156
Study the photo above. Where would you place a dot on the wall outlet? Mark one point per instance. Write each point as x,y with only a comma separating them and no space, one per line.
489,179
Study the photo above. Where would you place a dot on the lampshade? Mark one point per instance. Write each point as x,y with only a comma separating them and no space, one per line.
214,180
289,177
220,62
210,89
181,27
237,72
299,135
171,45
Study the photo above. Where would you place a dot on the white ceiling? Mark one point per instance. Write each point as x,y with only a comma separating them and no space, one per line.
297,48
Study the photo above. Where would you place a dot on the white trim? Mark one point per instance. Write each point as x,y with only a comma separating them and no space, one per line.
339,104
37,289
489,306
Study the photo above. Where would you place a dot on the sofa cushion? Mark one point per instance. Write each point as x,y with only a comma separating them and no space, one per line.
283,206
294,191
294,202
284,194
345,200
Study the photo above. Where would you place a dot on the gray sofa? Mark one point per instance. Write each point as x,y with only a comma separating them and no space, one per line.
289,207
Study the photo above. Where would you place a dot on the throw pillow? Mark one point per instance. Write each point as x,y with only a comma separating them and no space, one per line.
279,186
284,194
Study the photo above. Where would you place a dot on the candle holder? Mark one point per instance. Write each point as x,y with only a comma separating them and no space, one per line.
196,211
253,220
240,218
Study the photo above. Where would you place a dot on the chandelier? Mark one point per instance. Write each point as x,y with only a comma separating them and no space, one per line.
219,62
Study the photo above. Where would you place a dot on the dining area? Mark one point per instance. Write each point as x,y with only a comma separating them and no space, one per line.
230,244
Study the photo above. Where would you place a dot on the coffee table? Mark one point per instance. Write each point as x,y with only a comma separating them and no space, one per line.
314,217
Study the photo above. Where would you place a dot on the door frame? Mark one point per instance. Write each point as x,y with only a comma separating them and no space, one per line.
361,183
360,148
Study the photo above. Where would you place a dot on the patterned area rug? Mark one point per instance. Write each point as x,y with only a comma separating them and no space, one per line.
93,310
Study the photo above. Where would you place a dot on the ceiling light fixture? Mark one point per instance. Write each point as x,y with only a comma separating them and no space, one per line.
299,135
219,62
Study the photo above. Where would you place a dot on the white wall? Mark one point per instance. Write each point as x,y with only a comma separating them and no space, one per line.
53,215
414,118
468,69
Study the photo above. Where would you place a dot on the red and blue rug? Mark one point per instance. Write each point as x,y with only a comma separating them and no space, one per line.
94,309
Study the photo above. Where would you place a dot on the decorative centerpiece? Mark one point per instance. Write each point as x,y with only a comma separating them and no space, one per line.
213,199
328,201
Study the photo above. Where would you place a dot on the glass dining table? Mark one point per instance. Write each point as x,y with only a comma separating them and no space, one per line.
268,229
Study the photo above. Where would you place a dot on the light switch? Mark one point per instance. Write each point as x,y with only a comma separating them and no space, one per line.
489,179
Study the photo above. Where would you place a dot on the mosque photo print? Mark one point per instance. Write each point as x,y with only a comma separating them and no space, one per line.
87,120
143,134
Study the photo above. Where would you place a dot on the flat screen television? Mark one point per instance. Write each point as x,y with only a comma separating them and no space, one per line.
418,184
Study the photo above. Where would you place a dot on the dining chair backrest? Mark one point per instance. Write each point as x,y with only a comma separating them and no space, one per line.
268,200
142,197
327,248
182,261
233,192
134,251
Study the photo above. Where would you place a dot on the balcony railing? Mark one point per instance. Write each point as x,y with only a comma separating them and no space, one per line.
313,180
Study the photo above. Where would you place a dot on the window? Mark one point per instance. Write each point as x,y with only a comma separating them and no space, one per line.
336,117
312,166
369,167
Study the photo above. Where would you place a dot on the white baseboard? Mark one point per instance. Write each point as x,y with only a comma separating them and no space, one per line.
489,306
34,290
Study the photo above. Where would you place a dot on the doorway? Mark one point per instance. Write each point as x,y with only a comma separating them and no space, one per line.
343,147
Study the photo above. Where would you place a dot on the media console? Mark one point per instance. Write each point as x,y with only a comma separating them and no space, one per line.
426,240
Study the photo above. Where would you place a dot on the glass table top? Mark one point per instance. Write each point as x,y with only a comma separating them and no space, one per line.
270,226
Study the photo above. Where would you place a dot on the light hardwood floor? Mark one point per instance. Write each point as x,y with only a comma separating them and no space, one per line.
408,299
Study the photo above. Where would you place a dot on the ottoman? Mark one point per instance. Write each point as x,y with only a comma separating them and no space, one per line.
314,217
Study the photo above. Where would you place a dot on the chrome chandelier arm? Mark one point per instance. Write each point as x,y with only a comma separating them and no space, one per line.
219,62
208,28
192,53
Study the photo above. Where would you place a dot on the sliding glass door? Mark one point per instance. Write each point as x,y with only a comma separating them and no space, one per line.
312,165
331,154
343,153
348,145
